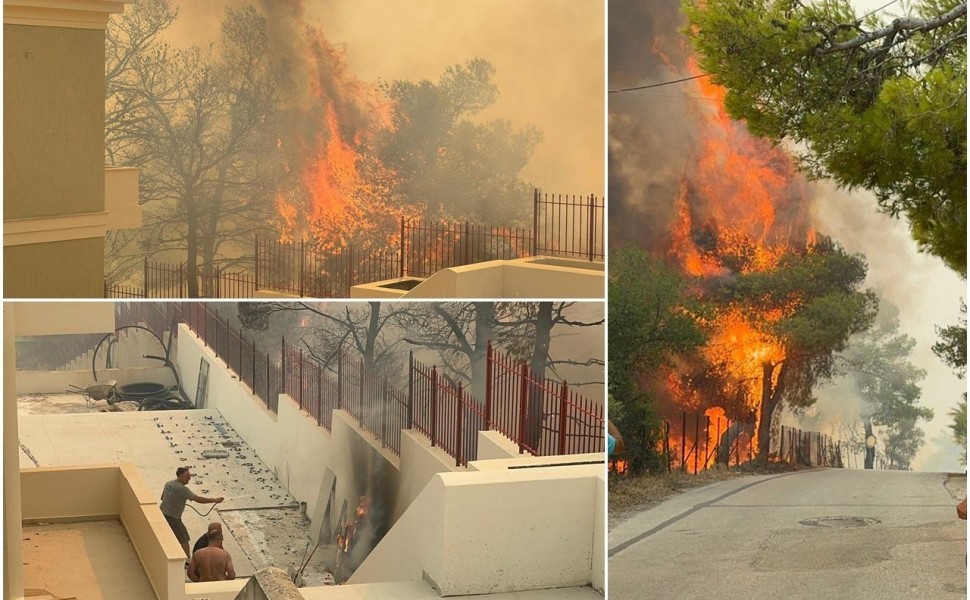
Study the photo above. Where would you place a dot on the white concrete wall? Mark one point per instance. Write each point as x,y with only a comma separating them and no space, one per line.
498,531
57,382
419,464
290,442
493,445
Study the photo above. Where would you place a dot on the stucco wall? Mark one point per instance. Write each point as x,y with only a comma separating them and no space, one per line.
59,318
67,269
55,382
467,532
13,565
53,116
512,279
65,493
419,463
493,445
160,554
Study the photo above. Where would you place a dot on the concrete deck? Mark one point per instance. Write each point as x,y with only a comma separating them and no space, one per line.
53,432
92,560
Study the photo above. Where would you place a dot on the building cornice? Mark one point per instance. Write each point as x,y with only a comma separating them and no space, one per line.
18,232
76,14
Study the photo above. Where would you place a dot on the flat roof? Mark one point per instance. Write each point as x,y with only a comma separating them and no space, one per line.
262,522
89,559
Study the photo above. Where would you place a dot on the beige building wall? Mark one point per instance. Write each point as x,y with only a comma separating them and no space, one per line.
13,554
53,147
53,115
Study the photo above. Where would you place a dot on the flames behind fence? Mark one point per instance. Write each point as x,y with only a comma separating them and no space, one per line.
566,226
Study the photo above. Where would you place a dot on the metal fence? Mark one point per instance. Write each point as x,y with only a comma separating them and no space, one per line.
697,442
542,416
427,247
568,225
562,225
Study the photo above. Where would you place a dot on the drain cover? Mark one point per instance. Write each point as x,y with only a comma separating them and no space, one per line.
839,522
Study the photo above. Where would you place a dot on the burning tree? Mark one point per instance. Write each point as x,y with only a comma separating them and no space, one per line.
459,167
784,326
874,101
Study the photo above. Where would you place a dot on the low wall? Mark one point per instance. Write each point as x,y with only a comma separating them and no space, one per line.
58,382
110,492
70,493
492,445
419,464
464,529
519,278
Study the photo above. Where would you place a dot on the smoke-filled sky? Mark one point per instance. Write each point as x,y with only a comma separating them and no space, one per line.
548,56
653,143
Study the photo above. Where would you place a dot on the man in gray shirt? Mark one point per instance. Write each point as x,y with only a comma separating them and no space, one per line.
174,495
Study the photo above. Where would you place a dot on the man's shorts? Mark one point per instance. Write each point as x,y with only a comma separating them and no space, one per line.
181,533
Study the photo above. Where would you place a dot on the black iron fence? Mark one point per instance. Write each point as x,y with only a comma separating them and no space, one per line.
562,225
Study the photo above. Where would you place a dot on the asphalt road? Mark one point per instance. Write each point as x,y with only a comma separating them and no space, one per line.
879,535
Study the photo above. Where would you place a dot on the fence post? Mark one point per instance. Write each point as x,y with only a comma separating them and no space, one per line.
301,378
384,415
535,221
145,282
683,440
350,269
590,243
256,284
488,385
464,244
340,379
360,390
402,248
707,442
434,406
410,415
697,438
459,438
667,444
283,362
523,402
302,264
562,418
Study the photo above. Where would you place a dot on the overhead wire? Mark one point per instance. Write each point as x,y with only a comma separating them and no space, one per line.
682,80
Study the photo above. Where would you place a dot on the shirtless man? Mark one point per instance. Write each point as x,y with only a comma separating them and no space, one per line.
211,563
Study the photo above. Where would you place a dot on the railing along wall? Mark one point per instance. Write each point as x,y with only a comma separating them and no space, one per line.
542,416
564,225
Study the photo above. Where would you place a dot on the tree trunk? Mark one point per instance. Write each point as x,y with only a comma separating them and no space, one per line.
191,246
770,401
484,326
870,459
537,365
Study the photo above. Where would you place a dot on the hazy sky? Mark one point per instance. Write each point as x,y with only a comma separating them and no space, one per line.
548,54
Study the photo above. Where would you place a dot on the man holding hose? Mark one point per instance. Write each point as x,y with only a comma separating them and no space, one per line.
174,495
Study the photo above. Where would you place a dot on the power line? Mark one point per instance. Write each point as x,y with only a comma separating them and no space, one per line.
663,83
654,85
